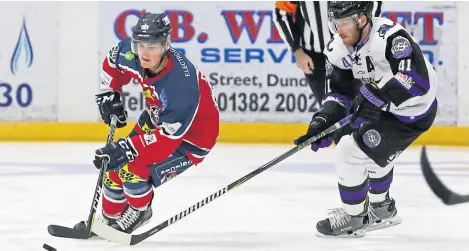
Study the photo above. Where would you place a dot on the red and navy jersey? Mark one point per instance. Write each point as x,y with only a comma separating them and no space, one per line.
179,101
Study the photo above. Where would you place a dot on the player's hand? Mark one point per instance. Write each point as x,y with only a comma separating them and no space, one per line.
363,110
303,61
109,103
317,125
116,154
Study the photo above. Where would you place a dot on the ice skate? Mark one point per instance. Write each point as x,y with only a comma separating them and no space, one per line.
81,226
132,219
383,214
340,224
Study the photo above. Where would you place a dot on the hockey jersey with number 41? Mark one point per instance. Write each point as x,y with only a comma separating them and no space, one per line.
180,104
391,61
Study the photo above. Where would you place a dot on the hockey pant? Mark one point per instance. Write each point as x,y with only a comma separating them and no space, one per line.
364,160
134,183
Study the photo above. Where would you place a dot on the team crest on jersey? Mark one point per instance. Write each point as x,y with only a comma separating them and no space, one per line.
401,47
384,28
151,96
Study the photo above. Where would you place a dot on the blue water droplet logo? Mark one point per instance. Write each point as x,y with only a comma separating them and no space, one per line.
23,53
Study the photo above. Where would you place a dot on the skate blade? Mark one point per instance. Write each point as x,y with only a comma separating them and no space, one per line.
396,220
356,234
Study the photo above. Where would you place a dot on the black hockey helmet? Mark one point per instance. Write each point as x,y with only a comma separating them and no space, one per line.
349,9
152,28
343,9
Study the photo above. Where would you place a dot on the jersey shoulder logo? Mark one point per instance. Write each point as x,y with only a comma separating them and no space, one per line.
401,47
385,28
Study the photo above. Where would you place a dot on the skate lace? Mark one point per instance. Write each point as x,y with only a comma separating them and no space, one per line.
128,218
338,217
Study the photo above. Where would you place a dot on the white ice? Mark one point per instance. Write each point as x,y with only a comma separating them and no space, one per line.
44,184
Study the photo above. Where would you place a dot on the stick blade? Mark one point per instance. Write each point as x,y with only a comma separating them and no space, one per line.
66,232
436,185
106,232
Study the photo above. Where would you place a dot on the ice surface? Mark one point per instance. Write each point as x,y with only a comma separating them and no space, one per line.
44,184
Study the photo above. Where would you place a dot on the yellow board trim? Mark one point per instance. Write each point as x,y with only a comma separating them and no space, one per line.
264,133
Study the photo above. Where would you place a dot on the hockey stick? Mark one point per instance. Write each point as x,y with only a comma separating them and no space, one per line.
109,233
61,231
439,189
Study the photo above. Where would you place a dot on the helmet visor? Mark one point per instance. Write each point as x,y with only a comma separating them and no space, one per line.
145,47
346,23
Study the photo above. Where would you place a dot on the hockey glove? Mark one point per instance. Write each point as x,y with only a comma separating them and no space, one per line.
109,103
317,125
116,154
367,106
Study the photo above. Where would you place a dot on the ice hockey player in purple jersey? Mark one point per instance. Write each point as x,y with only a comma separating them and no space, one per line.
377,72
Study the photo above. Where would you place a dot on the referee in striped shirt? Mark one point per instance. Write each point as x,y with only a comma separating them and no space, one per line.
304,27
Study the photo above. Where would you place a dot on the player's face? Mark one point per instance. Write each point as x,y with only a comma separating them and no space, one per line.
347,30
149,54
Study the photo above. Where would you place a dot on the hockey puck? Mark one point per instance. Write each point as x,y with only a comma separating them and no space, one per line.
49,248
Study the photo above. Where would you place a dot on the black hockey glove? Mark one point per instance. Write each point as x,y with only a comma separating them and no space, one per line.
109,103
317,125
116,154
367,106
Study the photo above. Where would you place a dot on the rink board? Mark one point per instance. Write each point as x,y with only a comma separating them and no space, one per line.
229,133
261,95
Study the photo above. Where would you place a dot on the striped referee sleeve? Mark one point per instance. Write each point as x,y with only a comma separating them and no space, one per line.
283,18
377,8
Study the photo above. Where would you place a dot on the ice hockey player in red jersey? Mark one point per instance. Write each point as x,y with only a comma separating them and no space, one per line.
178,129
